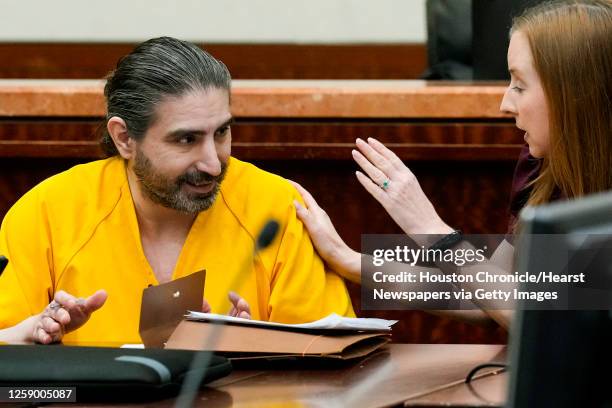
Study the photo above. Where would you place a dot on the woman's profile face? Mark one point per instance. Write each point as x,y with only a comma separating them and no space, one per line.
524,99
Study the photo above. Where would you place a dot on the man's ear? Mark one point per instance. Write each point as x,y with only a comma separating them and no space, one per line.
117,130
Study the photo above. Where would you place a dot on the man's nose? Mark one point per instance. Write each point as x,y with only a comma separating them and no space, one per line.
208,158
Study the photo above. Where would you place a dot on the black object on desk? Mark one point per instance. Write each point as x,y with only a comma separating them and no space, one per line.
102,374
560,357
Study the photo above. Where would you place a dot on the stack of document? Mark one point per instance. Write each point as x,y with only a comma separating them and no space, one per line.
330,322
333,336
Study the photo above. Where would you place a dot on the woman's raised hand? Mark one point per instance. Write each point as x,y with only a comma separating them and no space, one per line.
394,186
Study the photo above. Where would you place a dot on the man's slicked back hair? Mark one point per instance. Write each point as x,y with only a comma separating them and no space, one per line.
155,69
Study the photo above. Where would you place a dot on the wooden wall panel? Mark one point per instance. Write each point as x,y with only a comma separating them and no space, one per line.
287,140
245,61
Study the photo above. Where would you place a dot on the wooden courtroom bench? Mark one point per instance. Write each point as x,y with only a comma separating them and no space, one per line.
452,135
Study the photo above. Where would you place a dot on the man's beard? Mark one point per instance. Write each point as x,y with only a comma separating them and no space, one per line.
169,193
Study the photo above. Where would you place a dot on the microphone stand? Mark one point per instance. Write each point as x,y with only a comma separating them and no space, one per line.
201,361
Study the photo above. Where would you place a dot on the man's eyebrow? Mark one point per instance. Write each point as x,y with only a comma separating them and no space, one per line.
178,133
227,123
175,134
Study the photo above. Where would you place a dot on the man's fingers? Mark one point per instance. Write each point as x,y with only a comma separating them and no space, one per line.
62,316
46,330
95,301
56,312
245,315
50,326
239,304
234,298
65,299
206,306
41,336
73,312
243,306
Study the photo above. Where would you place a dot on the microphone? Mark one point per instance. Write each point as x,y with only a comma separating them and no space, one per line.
267,235
201,361
4,262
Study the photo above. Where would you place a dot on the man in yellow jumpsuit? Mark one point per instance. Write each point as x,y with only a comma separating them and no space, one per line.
167,202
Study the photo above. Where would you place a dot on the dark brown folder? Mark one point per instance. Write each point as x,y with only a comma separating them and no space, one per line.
164,306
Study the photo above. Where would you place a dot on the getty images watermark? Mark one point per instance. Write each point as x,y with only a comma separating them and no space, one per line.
537,272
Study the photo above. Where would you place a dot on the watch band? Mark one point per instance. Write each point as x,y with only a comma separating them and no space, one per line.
448,241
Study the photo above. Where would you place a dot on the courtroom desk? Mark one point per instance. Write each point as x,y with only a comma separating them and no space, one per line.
390,378
489,390
451,135
409,99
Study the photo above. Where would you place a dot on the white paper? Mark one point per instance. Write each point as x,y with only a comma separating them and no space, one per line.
331,322
133,346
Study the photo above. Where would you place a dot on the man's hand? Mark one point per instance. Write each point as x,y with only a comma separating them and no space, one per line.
64,314
240,307
206,306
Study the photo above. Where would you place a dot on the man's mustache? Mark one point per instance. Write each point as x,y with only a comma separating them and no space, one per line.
199,177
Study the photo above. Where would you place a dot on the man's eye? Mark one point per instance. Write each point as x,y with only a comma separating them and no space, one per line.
186,139
223,131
